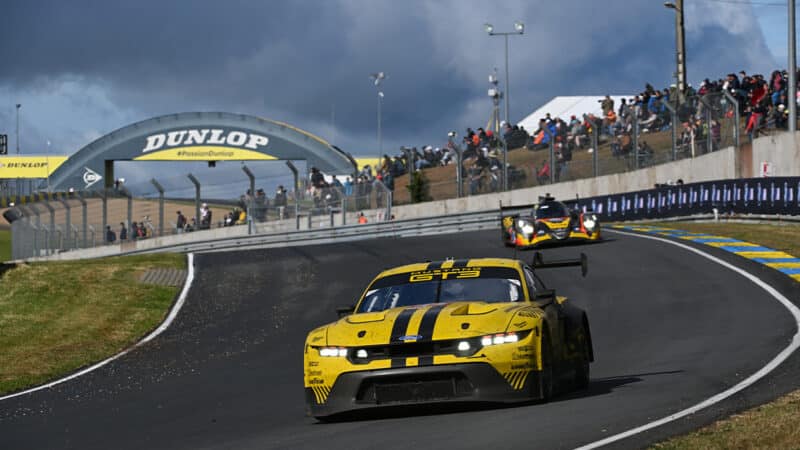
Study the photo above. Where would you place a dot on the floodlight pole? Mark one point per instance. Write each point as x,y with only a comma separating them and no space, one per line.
519,30
19,105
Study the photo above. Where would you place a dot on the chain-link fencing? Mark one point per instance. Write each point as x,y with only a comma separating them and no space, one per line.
128,213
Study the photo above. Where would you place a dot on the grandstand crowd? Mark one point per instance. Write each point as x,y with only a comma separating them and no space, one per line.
700,114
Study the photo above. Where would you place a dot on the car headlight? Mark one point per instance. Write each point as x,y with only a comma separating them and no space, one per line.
502,338
527,229
590,222
333,351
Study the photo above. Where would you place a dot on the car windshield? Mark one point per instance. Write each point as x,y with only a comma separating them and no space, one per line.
551,210
486,284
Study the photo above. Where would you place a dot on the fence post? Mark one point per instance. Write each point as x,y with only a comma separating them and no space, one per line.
296,176
196,201
84,217
68,225
51,228
595,146
160,190
736,118
459,182
673,113
707,107
250,205
410,167
104,194
552,140
36,247
505,164
129,196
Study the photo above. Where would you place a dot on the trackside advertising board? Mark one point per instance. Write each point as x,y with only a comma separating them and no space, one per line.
204,144
29,166
778,195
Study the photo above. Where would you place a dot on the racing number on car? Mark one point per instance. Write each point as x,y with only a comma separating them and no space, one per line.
444,274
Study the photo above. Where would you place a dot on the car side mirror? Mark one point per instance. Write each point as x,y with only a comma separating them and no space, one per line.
343,311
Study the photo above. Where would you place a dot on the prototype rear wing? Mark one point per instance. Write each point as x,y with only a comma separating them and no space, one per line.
539,263
512,208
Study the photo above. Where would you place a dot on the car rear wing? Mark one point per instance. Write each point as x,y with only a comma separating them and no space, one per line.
512,208
539,263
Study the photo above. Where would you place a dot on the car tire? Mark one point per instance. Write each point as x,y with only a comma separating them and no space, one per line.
546,377
581,380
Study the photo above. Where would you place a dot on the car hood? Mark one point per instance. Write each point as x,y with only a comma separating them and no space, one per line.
429,322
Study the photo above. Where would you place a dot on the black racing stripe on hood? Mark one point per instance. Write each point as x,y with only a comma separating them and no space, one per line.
426,330
435,265
400,328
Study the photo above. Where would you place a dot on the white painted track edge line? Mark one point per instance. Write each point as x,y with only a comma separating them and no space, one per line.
761,373
173,313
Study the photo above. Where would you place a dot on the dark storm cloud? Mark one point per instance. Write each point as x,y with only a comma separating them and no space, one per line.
300,61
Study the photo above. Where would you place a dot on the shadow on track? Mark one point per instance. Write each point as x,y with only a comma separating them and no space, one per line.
600,386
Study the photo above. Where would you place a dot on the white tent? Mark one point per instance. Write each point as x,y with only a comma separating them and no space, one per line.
567,106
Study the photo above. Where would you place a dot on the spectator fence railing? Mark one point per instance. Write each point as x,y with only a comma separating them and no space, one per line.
58,222
640,138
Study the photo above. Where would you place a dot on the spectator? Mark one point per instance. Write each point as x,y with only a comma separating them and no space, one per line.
134,231
362,218
348,187
543,174
607,104
180,223
111,236
141,231
280,197
205,217
123,232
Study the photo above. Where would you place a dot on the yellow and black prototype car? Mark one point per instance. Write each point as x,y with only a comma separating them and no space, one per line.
478,330
548,222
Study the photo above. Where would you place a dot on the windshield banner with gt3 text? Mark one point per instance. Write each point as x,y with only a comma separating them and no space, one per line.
778,195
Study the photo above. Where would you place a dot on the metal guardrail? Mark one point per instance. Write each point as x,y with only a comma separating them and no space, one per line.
473,221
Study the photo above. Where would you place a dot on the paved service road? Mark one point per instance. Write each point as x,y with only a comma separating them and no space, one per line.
670,329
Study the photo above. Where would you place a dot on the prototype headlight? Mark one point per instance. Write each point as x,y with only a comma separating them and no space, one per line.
590,222
527,228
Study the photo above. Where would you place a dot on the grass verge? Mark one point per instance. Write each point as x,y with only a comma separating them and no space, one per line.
57,317
770,426
5,245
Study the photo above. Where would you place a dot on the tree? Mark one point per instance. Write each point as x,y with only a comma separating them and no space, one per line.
419,189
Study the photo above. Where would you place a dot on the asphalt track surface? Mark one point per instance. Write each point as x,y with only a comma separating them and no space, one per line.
670,329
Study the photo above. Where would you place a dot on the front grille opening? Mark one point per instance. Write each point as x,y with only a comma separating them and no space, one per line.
413,349
413,389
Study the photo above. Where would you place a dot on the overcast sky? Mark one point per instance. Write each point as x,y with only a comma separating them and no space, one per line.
82,69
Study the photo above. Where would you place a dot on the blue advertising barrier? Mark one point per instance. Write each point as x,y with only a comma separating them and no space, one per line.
779,195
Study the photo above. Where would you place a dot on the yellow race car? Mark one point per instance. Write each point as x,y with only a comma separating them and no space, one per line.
478,330
549,222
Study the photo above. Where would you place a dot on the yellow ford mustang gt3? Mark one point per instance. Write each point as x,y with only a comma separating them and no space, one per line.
478,330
